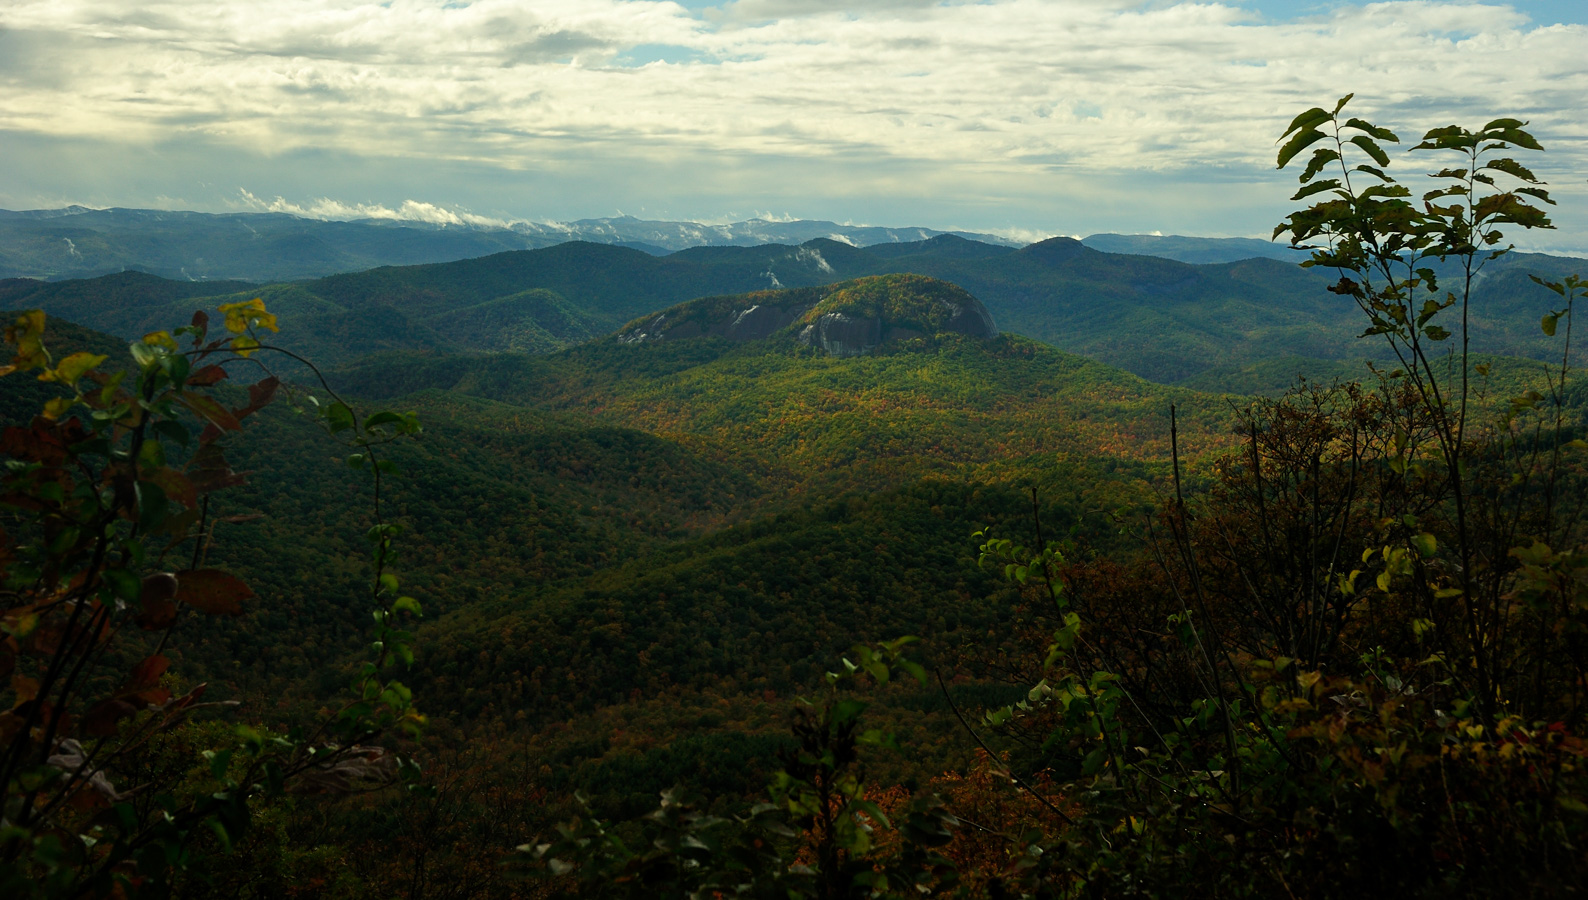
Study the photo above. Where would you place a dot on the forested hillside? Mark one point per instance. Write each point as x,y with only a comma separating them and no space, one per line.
1161,319
632,527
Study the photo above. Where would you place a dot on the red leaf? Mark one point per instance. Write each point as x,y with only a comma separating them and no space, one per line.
158,598
209,470
211,374
259,396
189,698
213,591
175,485
212,412
102,717
41,443
25,688
157,615
87,801
145,675
155,696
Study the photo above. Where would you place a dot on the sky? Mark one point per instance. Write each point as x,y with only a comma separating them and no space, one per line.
1028,118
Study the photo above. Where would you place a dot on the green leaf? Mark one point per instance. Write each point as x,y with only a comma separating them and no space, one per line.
913,669
1341,104
1312,118
173,431
219,760
385,417
143,354
1513,168
1549,322
1300,142
1450,137
848,711
1425,544
876,737
1317,187
1513,135
1383,134
124,584
1538,193
1320,158
409,604
1372,149
1093,762
219,831
338,417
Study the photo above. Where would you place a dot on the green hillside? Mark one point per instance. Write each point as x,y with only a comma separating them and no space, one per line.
633,554
1161,319
543,469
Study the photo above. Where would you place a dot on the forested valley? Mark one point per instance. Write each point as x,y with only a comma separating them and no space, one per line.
932,568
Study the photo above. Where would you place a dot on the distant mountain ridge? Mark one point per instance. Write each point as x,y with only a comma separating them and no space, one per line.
1163,320
1197,250
78,242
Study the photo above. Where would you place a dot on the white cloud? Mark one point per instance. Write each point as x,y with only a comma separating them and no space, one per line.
407,211
999,92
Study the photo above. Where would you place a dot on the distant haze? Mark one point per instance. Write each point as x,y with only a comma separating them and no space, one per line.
1021,118
77,242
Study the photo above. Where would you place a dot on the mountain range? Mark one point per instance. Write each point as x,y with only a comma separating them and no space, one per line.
78,242
1161,319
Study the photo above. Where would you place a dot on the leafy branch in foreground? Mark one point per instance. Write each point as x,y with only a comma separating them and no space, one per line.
820,837
106,503
1357,663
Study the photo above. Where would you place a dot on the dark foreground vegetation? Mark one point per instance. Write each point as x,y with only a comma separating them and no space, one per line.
964,616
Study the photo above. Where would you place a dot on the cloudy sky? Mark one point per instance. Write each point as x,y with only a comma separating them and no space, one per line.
1029,117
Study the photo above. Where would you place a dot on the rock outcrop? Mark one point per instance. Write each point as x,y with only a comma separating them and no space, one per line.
850,318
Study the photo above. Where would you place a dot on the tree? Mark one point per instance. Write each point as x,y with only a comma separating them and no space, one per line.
1378,611
106,505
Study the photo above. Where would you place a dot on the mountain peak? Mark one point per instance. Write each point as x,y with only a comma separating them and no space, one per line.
1054,249
850,318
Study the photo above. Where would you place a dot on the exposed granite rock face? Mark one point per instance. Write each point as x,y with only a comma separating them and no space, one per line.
755,322
843,335
851,318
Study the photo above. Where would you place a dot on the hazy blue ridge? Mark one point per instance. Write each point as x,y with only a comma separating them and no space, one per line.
77,242
1158,318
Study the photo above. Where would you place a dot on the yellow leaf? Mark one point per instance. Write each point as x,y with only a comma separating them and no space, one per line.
21,625
244,346
161,339
239,316
27,333
72,368
53,409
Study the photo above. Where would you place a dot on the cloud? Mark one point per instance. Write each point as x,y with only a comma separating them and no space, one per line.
1008,91
408,211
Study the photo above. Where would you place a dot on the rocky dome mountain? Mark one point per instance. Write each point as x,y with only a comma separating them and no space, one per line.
850,318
